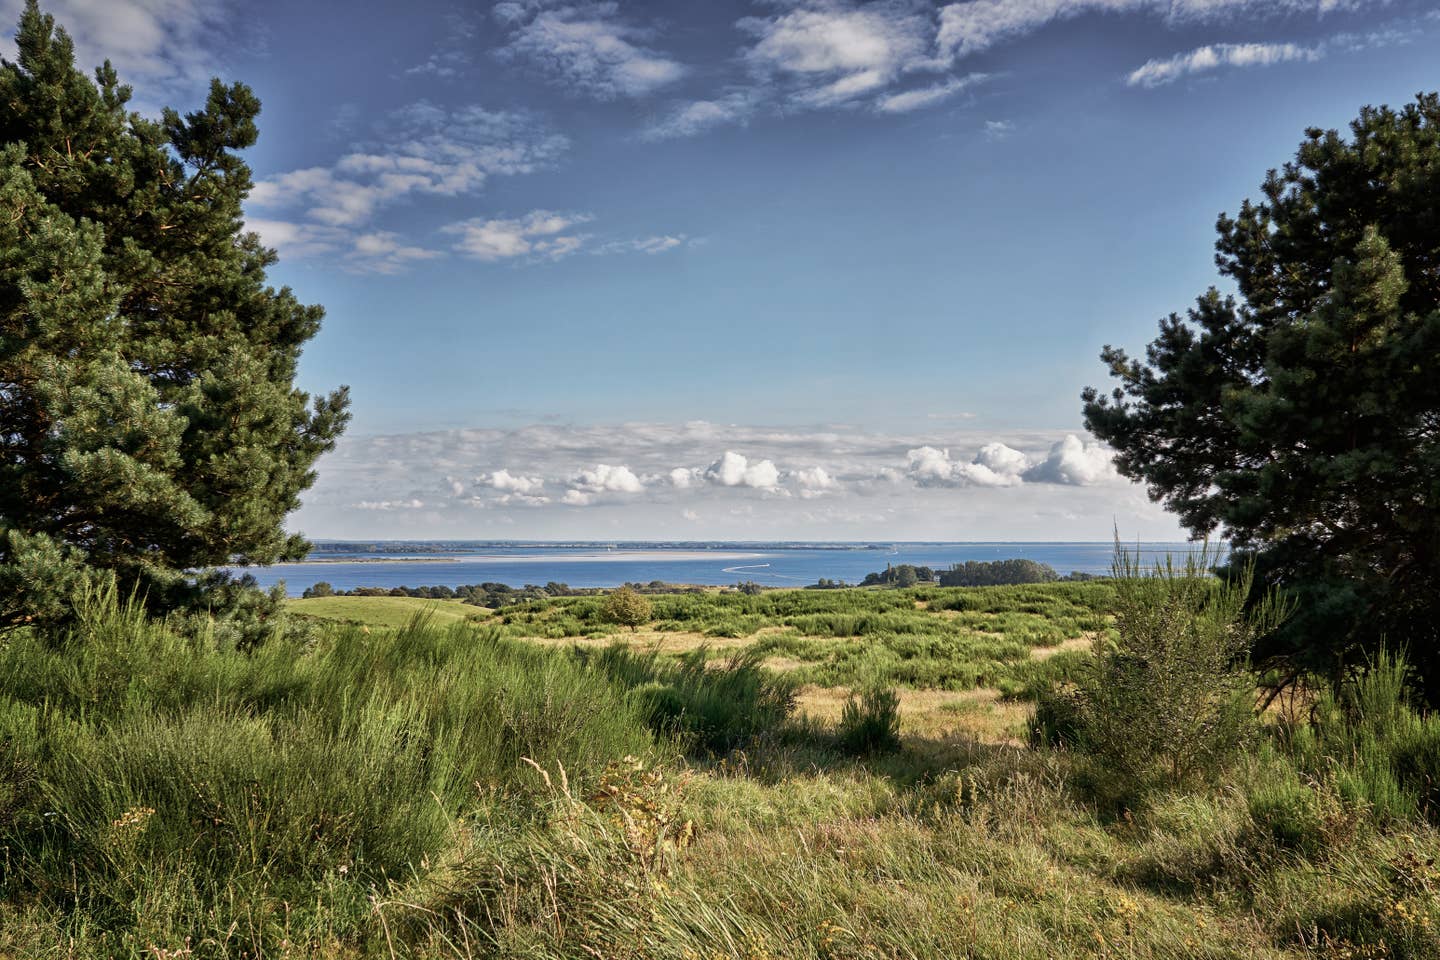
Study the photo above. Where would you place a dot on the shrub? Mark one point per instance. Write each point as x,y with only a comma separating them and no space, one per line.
1169,699
626,607
870,721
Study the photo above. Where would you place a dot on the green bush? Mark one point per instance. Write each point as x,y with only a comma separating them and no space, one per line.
870,721
1169,701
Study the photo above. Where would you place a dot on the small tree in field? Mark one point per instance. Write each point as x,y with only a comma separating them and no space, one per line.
626,607
1170,698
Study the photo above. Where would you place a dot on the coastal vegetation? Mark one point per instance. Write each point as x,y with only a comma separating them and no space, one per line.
478,789
1184,761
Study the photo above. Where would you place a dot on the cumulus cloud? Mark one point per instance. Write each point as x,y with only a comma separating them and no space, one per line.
604,478
586,48
815,482
1070,461
639,477
933,467
736,470
508,482
1074,462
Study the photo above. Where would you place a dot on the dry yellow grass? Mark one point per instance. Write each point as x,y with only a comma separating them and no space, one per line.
1082,642
934,714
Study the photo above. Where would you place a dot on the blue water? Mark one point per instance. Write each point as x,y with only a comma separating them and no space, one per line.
600,565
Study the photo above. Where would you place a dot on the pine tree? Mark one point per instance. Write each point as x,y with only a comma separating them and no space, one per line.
149,423
1303,418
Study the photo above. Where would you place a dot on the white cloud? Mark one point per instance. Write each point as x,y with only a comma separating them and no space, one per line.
428,150
298,239
790,482
1001,459
604,478
165,48
382,251
996,130
513,483
1215,56
587,49
539,234
927,96
425,150
932,467
1070,462
378,251
834,53
815,482
736,470
1075,463
973,26
650,245
698,116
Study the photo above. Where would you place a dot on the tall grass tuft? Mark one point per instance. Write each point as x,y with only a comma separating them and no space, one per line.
870,721
1381,750
155,781
714,709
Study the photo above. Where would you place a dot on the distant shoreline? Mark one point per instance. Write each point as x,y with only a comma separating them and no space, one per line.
591,557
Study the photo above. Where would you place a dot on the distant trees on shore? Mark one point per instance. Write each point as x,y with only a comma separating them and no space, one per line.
971,573
491,594
978,573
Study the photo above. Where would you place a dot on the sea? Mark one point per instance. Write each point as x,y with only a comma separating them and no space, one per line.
347,565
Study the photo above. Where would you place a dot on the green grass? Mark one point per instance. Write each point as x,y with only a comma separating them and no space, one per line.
385,611
922,638
449,792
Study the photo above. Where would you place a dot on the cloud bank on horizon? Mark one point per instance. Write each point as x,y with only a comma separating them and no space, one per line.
701,479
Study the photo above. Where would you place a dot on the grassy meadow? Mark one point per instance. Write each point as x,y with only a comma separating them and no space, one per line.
535,783
384,611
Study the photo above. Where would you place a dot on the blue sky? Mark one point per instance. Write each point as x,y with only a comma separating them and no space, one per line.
823,269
